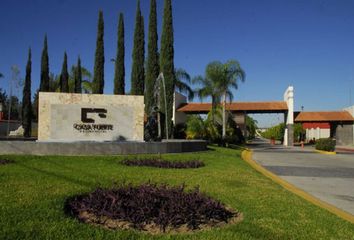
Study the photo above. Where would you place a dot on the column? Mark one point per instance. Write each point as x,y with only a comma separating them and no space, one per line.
289,123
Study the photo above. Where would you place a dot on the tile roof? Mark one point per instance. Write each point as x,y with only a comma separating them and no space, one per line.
237,106
324,116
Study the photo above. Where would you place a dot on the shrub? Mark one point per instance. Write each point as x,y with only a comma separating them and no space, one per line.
325,144
159,163
299,132
149,206
251,125
195,128
179,131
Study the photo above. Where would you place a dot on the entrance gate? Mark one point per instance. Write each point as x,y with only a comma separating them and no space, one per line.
241,109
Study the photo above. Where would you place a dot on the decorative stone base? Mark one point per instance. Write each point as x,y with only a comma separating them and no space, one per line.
100,148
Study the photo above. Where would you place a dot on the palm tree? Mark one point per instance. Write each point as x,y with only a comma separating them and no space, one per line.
86,80
182,83
219,79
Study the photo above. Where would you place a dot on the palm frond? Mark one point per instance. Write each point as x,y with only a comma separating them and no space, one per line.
181,75
229,95
185,88
87,86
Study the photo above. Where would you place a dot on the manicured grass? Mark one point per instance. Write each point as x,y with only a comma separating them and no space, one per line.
33,191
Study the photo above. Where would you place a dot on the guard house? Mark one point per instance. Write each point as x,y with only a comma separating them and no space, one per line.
333,124
239,110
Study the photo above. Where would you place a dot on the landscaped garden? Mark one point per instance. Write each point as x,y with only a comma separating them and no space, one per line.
34,192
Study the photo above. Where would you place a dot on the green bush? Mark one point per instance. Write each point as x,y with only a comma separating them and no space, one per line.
299,132
276,132
251,125
195,127
325,144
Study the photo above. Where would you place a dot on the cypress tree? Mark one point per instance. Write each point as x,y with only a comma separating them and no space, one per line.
78,77
152,70
138,74
44,84
167,60
26,99
64,76
98,75
119,74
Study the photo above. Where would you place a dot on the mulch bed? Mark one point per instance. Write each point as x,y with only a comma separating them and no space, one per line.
160,163
152,208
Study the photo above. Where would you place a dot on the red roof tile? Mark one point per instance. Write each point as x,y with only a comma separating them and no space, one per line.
324,116
237,106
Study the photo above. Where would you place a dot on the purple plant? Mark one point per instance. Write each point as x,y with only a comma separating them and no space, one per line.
161,205
5,161
159,163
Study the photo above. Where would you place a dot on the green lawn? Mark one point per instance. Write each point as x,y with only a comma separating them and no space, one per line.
33,191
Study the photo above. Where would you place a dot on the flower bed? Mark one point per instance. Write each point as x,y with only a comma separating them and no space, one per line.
5,161
150,207
160,163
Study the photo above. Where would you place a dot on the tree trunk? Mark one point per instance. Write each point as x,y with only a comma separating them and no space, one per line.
224,117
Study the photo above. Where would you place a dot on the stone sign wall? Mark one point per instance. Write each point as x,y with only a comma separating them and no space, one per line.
90,117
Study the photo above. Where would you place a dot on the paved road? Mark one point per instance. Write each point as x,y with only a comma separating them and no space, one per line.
327,177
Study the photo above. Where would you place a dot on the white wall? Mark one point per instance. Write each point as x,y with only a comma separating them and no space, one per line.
317,133
178,117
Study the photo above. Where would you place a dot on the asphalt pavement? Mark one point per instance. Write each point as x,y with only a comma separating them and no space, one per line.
329,178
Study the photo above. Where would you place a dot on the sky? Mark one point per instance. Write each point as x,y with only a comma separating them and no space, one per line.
305,43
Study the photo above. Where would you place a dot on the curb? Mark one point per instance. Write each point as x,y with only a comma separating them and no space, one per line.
345,149
247,157
325,152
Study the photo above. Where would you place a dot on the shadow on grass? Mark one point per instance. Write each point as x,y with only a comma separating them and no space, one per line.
210,149
58,176
75,170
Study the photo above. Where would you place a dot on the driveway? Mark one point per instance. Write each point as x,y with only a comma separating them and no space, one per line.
327,177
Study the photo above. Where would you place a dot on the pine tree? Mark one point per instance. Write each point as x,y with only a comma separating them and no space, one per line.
26,99
152,70
78,77
138,74
64,77
119,74
167,60
44,84
98,75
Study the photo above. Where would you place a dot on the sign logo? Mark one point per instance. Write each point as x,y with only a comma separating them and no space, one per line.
84,111
89,125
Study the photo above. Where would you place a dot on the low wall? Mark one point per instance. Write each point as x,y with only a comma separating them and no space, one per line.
344,134
14,125
100,148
